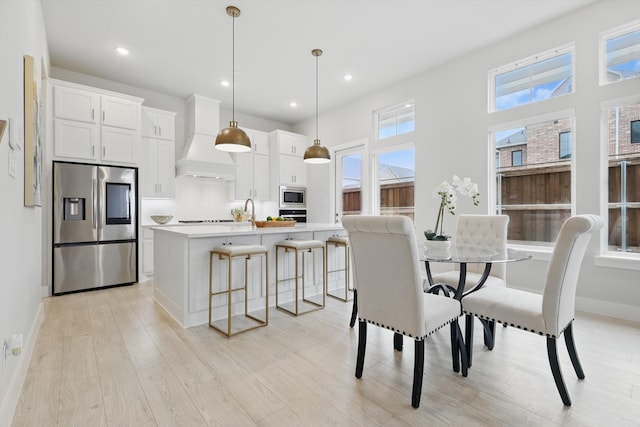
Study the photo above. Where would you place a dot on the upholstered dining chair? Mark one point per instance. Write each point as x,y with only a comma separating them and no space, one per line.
551,313
386,267
487,232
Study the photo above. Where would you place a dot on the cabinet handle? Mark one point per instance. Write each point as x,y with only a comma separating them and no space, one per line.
103,116
159,188
155,129
93,150
93,114
104,151
159,131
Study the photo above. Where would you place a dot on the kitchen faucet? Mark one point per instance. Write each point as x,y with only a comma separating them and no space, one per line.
253,211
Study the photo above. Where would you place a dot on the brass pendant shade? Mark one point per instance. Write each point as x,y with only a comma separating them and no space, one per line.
232,138
316,153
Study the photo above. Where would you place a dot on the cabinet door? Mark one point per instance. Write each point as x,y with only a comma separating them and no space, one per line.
119,145
147,168
261,177
292,144
260,142
76,104
244,176
165,168
120,113
147,256
76,140
293,171
158,124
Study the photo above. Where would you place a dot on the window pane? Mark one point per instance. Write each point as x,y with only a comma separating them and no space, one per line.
565,145
533,185
396,121
534,82
623,56
624,179
396,178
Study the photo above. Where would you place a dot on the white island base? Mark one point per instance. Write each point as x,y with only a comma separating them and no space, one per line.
181,259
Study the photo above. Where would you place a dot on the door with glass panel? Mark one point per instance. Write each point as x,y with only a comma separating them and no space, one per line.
349,182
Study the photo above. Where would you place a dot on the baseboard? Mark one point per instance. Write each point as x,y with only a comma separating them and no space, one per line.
610,309
10,402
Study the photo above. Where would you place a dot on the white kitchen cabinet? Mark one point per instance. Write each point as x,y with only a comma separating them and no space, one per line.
291,144
95,125
158,124
252,170
76,104
157,162
293,171
286,161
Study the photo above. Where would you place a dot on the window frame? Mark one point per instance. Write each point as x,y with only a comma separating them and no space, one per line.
607,35
637,132
513,163
396,109
525,62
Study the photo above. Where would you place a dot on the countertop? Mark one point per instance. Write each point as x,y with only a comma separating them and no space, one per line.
216,230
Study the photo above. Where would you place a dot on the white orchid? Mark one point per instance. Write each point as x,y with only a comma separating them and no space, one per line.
447,194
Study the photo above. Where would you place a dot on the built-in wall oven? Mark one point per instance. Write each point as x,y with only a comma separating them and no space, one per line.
300,215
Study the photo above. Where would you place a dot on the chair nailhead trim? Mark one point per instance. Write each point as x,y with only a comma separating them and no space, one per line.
404,333
511,324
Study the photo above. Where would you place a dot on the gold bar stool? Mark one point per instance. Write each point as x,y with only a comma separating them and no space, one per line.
338,242
300,248
249,321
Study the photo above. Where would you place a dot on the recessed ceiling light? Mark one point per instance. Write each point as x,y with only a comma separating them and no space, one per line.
348,77
122,50
224,83
293,104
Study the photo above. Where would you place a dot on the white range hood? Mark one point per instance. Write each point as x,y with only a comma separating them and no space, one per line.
199,157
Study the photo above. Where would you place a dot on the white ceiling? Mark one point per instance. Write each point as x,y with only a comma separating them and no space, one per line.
180,47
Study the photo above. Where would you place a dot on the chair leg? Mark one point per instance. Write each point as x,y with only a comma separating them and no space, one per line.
397,341
362,345
455,356
552,352
418,371
354,309
462,349
489,333
571,348
468,338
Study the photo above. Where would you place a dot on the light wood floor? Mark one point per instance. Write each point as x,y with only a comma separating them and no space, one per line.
115,358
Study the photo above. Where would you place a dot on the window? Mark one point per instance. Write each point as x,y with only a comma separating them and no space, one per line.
516,158
533,79
635,132
623,171
534,188
564,140
620,54
395,181
396,120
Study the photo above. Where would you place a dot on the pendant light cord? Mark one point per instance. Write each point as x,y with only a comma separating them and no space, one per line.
233,69
316,98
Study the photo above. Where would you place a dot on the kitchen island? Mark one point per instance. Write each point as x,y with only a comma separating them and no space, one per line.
181,259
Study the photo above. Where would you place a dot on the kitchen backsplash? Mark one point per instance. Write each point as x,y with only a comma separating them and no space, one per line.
198,198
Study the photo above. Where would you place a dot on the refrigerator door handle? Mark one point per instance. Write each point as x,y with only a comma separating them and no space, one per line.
94,218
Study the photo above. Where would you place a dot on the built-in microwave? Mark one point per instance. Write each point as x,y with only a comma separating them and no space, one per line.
293,197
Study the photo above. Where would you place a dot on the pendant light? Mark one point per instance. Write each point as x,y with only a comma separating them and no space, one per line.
316,153
232,138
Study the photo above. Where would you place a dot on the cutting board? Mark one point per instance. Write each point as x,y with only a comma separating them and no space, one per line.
275,223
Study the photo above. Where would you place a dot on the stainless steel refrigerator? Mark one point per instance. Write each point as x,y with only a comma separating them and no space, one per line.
94,226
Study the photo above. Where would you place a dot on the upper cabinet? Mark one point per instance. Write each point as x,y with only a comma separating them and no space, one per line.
158,161
158,124
252,170
94,125
287,164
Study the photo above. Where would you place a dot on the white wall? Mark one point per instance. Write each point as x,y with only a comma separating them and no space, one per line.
452,138
21,33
